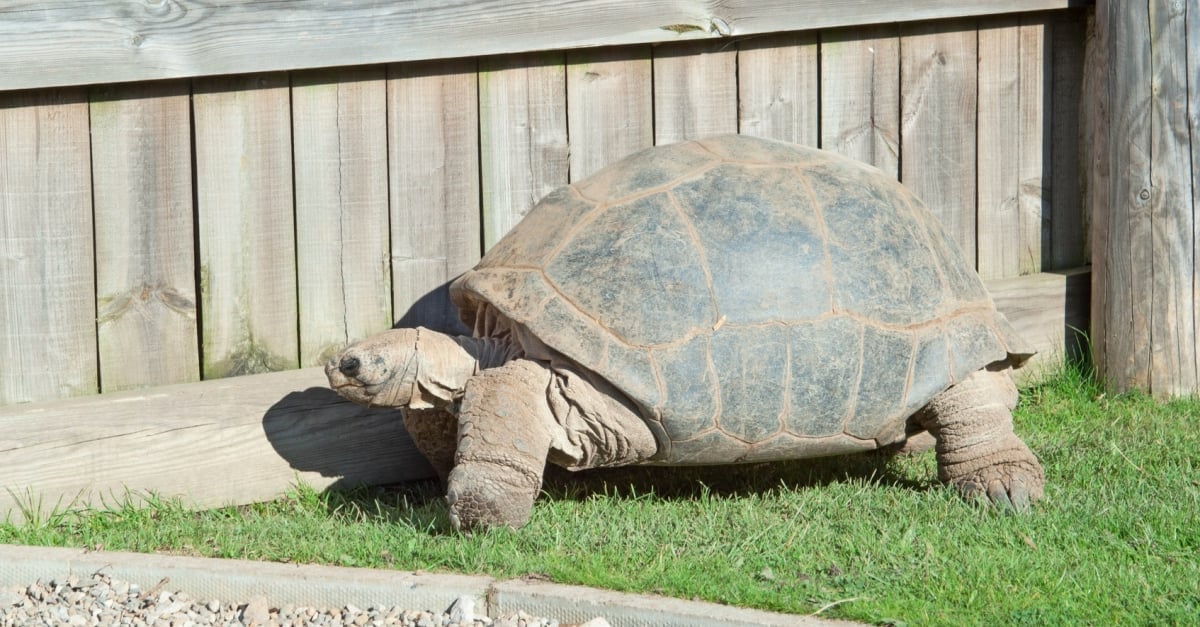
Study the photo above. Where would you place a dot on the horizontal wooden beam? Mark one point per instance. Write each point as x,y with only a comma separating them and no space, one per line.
248,439
220,442
53,43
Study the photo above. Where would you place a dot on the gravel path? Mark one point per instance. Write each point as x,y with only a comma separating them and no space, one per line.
100,600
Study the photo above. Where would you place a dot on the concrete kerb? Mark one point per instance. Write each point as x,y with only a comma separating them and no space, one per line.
333,586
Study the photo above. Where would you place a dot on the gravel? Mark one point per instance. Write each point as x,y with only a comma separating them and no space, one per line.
101,600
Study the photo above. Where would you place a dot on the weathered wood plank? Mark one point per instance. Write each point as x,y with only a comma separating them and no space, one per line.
777,87
938,100
45,43
999,159
695,91
1068,220
1050,311
860,95
245,225
1146,285
341,169
1013,193
610,106
222,442
433,130
1033,107
47,281
246,439
523,129
145,258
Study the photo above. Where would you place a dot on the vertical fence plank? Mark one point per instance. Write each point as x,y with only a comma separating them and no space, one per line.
1033,193
246,225
523,129
938,99
145,256
433,127
340,160
47,288
695,91
1068,226
999,128
778,87
610,106
860,95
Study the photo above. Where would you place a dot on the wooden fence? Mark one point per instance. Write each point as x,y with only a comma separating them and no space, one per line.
203,222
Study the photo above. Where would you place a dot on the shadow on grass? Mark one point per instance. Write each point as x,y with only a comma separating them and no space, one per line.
421,504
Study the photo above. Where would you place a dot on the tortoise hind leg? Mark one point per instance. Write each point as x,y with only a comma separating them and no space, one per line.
977,451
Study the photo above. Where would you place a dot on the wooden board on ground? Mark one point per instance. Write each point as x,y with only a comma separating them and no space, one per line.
145,264
433,146
248,439
341,166
47,281
213,443
245,218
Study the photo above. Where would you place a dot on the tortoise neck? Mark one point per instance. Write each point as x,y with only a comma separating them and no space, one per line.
488,352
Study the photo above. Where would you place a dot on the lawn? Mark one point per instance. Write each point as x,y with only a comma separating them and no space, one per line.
869,537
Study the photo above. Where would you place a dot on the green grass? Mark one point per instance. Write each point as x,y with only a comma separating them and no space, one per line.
1116,539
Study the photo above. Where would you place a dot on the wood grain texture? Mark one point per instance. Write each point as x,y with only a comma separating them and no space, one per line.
145,260
214,443
1146,285
246,225
1000,159
45,43
860,95
340,158
1094,157
1033,174
1170,259
523,130
47,281
433,130
610,106
1050,311
695,91
247,439
1014,115
938,100
778,87
1069,220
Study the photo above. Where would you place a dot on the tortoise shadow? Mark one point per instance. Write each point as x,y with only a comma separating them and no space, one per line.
421,504
684,483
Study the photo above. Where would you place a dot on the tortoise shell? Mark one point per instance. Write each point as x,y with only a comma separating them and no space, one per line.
755,300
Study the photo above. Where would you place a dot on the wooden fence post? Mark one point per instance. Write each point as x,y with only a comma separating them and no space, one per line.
1142,110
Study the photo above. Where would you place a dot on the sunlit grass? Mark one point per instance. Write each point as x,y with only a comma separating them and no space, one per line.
868,537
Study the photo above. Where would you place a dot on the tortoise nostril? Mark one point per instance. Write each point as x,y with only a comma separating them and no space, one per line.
349,366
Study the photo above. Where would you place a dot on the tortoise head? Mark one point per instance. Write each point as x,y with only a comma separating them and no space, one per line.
403,368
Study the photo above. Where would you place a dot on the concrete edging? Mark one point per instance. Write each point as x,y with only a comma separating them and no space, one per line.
334,586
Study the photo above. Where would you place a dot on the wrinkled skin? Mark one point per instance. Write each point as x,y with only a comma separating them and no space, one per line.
489,424
512,416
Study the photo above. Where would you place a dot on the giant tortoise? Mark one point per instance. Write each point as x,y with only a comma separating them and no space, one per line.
718,301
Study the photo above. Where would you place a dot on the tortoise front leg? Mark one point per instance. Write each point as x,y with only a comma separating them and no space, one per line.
504,436
977,451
